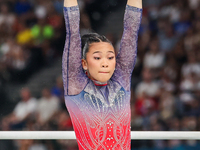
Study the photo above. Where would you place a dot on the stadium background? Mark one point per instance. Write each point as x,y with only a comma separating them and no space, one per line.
165,81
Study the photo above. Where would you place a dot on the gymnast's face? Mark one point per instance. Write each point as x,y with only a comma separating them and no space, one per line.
100,61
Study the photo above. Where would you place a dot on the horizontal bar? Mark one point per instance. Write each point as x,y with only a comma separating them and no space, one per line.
165,135
67,135
37,135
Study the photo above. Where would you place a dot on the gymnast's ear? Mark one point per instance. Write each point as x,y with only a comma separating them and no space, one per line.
84,64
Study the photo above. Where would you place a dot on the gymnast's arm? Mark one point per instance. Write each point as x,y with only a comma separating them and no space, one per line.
127,55
70,3
74,78
135,3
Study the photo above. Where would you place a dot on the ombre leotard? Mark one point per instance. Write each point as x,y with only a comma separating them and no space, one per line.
100,114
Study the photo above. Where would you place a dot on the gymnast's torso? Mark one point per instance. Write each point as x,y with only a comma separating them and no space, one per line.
100,113
101,120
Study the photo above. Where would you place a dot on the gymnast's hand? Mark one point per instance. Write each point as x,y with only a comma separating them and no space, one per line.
70,3
135,3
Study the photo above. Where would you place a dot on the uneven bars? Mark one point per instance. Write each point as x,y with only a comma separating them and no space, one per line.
67,135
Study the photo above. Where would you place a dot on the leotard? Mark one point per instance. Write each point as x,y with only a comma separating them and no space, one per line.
100,114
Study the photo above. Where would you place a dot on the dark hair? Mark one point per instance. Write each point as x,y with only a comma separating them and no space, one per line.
90,38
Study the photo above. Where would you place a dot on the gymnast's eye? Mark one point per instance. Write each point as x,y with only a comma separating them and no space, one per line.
110,58
97,58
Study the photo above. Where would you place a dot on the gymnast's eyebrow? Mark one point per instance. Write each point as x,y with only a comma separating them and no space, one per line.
101,52
97,52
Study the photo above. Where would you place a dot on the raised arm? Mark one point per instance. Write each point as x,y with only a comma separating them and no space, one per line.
74,78
135,3
127,54
70,3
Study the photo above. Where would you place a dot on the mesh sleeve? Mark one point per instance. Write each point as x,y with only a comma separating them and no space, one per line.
127,55
74,78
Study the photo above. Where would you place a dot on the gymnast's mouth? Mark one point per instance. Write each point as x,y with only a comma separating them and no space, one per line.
103,72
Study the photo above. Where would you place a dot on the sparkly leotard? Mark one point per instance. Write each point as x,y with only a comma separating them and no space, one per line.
100,114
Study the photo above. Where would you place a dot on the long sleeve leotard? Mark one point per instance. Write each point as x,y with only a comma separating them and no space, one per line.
100,114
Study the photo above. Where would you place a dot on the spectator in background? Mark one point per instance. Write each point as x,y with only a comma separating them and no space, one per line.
16,59
193,4
184,23
154,59
191,66
188,83
41,31
167,79
58,90
147,85
166,105
64,121
167,38
48,106
54,18
40,10
144,105
7,20
14,55
31,145
189,39
24,35
22,111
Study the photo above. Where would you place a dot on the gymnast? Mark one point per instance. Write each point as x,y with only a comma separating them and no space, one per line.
97,80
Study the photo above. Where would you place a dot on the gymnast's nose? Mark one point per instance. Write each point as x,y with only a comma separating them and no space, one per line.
104,64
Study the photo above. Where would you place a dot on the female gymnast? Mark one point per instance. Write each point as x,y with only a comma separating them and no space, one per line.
97,80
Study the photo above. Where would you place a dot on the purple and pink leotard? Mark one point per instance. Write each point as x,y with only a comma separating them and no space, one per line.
100,114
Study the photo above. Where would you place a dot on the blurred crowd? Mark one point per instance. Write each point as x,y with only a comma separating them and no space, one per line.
168,84
47,113
165,81
31,36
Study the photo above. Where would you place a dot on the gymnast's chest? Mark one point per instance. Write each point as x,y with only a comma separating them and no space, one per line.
102,102
110,100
